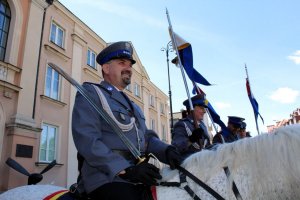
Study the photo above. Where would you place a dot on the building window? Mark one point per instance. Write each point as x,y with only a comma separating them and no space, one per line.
137,90
128,87
163,132
151,100
4,27
91,58
52,84
57,35
152,125
162,108
48,143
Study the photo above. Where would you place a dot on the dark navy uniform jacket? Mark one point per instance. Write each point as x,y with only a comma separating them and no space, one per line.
230,138
97,143
182,129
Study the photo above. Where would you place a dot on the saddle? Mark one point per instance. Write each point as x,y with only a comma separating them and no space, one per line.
60,195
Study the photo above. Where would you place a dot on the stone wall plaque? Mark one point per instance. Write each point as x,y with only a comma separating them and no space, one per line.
24,151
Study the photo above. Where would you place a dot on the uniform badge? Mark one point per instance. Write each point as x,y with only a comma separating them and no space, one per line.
109,88
122,116
127,45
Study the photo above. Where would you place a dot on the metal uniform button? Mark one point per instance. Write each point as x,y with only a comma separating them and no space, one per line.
122,116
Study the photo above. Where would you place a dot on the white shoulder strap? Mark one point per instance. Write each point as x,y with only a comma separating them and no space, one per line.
189,133
188,130
124,127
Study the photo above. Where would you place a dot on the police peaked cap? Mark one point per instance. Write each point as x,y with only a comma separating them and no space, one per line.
114,51
197,100
243,125
235,120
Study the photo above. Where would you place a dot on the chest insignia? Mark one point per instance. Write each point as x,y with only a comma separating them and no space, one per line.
109,88
122,116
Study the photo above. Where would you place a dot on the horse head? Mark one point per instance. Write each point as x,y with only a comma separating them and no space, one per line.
33,178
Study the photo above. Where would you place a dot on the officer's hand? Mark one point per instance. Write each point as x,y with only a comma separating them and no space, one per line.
173,157
142,173
197,134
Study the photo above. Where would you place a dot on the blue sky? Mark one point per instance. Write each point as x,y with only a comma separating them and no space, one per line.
224,36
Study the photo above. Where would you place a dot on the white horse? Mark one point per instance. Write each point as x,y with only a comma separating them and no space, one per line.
263,167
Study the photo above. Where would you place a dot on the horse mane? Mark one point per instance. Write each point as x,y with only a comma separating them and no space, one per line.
264,165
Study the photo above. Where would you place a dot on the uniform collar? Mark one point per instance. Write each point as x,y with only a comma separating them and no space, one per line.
115,93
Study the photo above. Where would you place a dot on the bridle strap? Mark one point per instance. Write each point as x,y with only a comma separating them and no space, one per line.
191,192
170,184
234,188
187,187
199,182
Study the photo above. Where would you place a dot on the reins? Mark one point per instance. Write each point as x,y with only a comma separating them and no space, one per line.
234,188
182,184
200,183
184,173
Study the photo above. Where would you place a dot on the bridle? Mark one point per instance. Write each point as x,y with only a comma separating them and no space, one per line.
183,173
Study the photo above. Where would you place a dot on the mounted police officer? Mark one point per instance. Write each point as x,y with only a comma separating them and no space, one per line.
109,170
185,136
242,133
233,127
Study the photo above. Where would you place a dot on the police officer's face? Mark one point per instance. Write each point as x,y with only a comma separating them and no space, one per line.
242,133
233,128
118,72
199,112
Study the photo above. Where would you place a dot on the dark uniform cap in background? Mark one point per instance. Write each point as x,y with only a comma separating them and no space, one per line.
243,125
196,100
235,120
114,51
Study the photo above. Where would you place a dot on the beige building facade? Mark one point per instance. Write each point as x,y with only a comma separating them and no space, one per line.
36,102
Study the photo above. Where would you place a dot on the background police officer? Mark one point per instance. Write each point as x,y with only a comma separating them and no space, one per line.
233,127
185,136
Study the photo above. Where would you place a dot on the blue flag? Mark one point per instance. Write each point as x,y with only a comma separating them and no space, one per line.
253,103
186,57
216,119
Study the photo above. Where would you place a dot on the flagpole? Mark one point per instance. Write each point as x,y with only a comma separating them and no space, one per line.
182,70
206,110
179,60
257,128
175,47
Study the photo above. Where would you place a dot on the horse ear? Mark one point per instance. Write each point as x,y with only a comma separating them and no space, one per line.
37,177
32,178
52,164
16,166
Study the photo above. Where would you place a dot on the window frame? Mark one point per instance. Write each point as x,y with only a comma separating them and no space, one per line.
137,90
162,108
52,84
48,148
91,59
56,35
4,29
151,100
152,124
163,132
